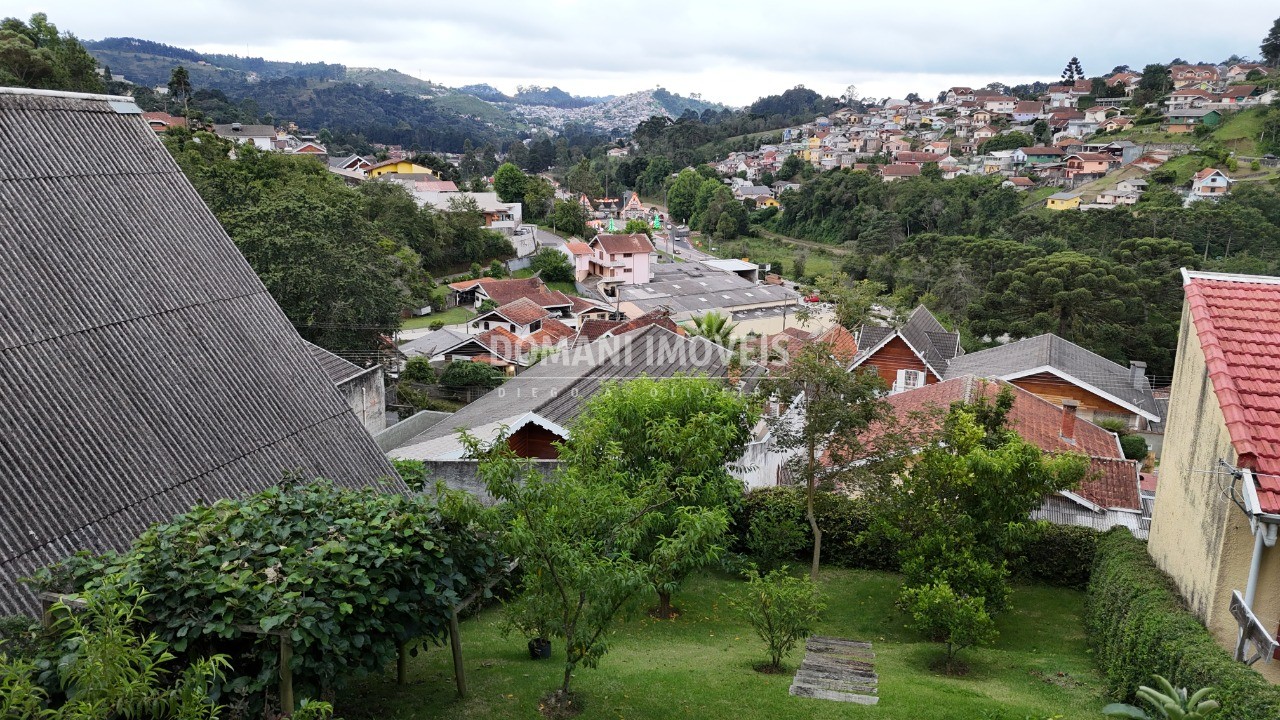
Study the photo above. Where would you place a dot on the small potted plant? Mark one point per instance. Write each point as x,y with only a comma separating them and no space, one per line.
528,626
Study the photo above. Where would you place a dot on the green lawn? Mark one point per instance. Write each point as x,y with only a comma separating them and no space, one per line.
452,316
699,666
775,252
567,288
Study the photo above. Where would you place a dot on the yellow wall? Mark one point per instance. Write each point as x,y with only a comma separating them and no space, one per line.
403,166
1198,536
1063,204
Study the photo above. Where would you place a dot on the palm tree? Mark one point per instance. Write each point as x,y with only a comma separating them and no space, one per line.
714,327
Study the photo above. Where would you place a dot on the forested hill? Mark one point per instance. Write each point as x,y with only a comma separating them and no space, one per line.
372,104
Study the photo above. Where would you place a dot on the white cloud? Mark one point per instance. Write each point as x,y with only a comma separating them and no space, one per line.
732,53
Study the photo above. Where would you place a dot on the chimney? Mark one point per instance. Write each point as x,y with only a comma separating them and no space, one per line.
1069,420
1137,373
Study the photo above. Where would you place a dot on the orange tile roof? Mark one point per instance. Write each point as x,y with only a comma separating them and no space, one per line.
633,243
578,248
1237,319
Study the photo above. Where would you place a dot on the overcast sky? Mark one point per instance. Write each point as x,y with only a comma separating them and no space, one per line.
731,52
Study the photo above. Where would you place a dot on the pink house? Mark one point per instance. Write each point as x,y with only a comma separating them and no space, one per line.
621,259
580,254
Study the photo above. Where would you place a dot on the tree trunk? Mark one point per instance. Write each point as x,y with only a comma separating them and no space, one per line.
664,605
810,514
564,686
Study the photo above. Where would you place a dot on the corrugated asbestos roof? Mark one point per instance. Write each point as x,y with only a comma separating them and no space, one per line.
557,388
143,366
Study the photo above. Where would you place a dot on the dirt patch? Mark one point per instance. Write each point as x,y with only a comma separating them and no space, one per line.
1059,678
559,705
769,668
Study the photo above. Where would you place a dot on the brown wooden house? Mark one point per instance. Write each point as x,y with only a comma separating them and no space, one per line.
910,356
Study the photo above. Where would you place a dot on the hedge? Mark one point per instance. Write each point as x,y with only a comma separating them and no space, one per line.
1048,554
1140,627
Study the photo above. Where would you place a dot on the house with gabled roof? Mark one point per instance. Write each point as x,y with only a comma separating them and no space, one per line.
908,356
1058,370
536,407
1216,515
1204,77
146,367
1210,183
622,259
1108,497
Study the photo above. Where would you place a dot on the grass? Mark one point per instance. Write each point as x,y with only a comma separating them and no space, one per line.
567,288
452,316
699,665
775,252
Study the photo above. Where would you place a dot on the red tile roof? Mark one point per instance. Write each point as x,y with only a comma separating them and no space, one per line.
505,291
578,248
552,332
907,156
633,243
1111,481
1237,320
522,311
468,284
900,170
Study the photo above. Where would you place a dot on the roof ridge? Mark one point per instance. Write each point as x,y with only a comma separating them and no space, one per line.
64,94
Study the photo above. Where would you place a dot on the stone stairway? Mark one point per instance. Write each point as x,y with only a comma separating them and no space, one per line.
835,669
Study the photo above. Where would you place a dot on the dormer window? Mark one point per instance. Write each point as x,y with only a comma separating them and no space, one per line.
535,326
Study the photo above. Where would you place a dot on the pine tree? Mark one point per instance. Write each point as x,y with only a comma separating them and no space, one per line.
1271,45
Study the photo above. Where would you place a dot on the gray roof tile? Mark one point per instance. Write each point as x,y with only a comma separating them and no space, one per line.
143,366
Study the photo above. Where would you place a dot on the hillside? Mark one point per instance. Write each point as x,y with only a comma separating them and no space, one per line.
397,108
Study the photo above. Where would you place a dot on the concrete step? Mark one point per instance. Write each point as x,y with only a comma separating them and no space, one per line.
819,693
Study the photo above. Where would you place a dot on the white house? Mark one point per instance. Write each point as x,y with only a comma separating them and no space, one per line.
1210,183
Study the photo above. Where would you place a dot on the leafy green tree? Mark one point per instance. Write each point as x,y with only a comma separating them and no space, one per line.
791,167
583,538
713,326
677,433
636,225
510,183
351,575
835,407
683,194
569,217
944,616
34,54
582,179
111,669
552,265
1008,141
1271,45
539,197
180,86
783,610
465,373
726,227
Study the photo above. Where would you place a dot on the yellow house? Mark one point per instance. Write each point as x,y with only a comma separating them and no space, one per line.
766,201
1063,201
1218,500
400,167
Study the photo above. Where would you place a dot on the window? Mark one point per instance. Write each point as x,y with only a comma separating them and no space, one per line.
486,324
908,380
535,326
626,255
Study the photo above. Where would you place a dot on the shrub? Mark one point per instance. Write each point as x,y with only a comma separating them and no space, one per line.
552,265
464,373
1134,447
436,325
418,370
783,609
942,615
1139,627
775,536
1255,165
957,562
843,520
1060,555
